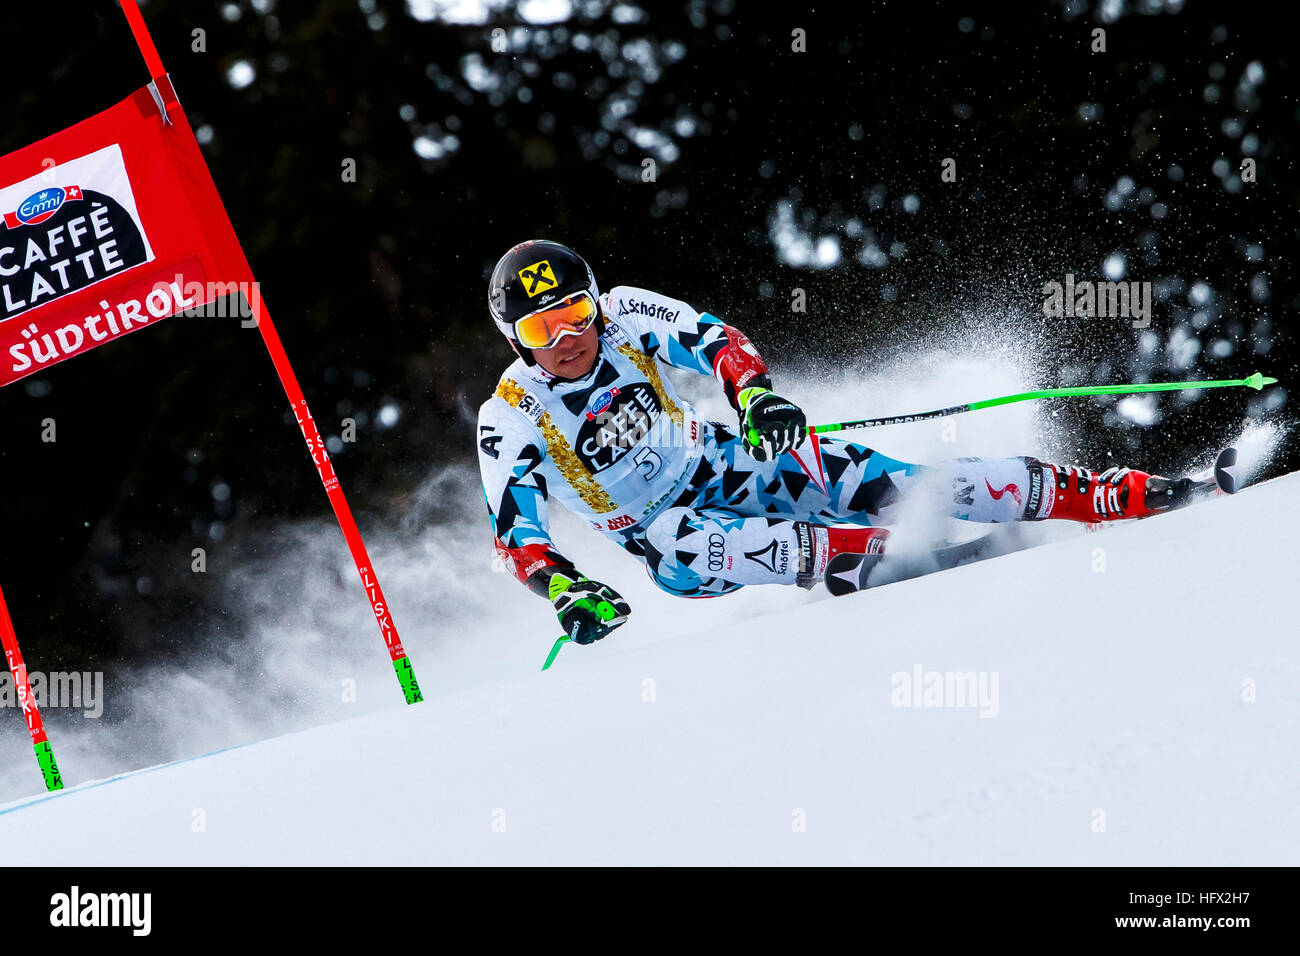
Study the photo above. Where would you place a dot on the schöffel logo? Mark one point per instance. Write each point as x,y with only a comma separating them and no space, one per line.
601,403
777,563
648,308
38,207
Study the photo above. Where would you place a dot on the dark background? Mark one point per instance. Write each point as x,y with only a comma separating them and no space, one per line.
180,437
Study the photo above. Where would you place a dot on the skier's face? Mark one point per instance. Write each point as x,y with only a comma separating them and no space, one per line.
572,356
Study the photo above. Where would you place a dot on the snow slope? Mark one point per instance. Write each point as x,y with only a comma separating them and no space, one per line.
1145,713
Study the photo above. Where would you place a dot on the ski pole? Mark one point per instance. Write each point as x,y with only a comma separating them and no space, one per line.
1256,381
555,649
604,610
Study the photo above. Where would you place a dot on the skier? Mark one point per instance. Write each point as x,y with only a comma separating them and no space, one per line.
585,415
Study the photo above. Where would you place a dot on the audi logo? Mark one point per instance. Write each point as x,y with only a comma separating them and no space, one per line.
716,543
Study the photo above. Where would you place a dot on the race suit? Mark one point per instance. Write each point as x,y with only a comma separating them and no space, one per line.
620,448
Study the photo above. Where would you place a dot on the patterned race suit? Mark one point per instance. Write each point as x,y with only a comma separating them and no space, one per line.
620,448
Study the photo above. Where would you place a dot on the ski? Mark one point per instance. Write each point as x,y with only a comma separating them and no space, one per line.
1225,471
1221,478
847,573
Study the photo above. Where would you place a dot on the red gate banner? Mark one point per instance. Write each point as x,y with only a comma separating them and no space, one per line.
108,226
115,224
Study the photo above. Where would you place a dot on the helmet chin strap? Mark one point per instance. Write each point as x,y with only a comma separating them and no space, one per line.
523,353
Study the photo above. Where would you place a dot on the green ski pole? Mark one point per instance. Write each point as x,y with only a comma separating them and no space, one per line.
555,649
1256,381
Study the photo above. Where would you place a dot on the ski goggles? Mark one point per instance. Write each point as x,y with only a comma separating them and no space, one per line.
570,316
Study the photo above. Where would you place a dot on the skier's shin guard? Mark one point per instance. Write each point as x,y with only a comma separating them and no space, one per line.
715,545
975,489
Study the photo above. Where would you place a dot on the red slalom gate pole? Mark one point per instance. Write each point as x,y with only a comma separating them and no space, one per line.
142,39
315,445
36,726
325,468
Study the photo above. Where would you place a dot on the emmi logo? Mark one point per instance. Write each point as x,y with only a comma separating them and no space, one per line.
40,206
102,909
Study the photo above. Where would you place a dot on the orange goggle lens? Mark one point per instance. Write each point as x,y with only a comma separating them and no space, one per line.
543,329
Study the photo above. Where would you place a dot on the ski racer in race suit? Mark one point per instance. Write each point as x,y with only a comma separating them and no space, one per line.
585,416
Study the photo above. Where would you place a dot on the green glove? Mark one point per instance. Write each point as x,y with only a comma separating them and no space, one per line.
588,610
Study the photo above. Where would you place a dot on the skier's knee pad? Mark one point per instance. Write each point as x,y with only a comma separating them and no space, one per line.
722,546
663,552
663,532
684,582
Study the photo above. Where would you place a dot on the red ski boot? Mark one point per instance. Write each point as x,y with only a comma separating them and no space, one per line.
818,544
1077,494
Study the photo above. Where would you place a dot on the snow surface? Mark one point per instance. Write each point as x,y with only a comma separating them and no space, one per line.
1145,713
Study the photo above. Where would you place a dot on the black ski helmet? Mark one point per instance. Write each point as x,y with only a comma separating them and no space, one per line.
531,276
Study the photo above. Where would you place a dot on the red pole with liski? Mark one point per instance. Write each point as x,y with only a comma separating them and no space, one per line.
35,726
170,106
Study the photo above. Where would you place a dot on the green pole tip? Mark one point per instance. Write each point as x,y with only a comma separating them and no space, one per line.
406,675
555,649
49,768
1258,381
